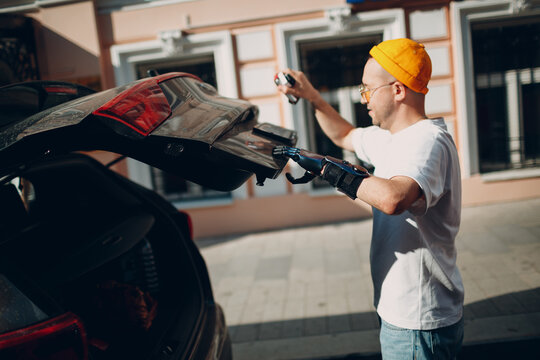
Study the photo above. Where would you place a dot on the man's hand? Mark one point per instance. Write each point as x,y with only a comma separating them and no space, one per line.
302,87
339,173
310,161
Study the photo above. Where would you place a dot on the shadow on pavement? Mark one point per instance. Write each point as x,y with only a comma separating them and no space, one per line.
519,339
517,349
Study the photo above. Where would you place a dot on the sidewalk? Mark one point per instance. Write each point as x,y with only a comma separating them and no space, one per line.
306,293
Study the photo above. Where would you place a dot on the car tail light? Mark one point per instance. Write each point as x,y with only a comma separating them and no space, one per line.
189,224
57,89
142,107
62,337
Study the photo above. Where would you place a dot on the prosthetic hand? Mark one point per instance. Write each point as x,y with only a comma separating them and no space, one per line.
339,173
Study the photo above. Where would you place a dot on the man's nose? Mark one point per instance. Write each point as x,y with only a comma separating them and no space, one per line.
363,100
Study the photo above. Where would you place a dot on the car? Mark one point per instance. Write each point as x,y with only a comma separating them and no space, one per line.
92,264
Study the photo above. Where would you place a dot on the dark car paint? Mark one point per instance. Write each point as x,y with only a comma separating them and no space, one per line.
207,139
215,146
21,100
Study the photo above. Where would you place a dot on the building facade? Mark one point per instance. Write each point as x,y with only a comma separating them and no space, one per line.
485,82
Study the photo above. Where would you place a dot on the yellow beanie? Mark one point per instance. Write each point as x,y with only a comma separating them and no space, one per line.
406,60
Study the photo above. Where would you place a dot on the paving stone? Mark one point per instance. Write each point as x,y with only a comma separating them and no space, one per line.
273,310
245,333
484,308
233,314
337,304
531,278
339,323
508,304
529,299
315,326
296,289
273,268
341,261
270,330
258,295
293,328
252,314
481,242
513,234
364,321
294,308
323,304
238,297
241,265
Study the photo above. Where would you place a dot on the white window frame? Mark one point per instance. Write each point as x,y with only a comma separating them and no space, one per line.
125,58
463,15
338,22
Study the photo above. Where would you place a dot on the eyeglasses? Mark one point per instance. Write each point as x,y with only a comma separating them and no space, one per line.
368,93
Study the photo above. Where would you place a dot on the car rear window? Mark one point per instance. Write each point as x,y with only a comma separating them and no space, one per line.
16,308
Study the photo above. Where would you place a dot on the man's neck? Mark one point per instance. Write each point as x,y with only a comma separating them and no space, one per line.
406,118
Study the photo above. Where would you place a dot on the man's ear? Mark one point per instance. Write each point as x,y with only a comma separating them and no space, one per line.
399,91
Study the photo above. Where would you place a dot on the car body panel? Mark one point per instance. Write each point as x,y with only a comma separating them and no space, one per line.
202,131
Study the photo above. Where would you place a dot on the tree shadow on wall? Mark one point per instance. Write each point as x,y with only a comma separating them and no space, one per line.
64,59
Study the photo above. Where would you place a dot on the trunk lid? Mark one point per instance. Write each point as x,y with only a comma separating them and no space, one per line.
173,121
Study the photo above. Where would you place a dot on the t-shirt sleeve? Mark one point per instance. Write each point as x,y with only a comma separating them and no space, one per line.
425,161
369,143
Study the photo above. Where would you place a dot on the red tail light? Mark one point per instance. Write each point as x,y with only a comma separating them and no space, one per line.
142,107
62,337
60,89
189,224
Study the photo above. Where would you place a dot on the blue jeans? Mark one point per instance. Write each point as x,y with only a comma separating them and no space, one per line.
404,344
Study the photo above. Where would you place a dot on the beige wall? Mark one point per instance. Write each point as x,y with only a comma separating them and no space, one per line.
140,24
477,191
257,214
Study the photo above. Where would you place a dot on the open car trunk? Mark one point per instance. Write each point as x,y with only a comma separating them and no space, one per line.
174,122
93,266
82,239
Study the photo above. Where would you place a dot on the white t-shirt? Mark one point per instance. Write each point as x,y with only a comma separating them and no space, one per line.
413,255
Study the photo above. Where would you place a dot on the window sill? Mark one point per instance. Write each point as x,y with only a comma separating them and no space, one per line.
511,175
327,191
108,6
202,203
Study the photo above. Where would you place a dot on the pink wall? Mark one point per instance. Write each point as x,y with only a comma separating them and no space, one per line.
257,214
141,24
477,191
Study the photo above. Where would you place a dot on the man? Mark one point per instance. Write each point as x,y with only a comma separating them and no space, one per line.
415,192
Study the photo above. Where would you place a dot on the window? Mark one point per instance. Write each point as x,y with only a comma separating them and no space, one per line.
506,57
172,187
332,51
335,68
207,55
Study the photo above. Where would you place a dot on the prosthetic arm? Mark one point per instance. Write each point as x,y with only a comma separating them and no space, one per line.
341,174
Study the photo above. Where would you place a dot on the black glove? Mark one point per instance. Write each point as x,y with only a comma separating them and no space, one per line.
339,173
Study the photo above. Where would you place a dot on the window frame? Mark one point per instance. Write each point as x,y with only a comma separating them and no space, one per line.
463,15
126,57
338,22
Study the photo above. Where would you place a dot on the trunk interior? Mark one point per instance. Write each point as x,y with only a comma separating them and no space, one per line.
86,240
